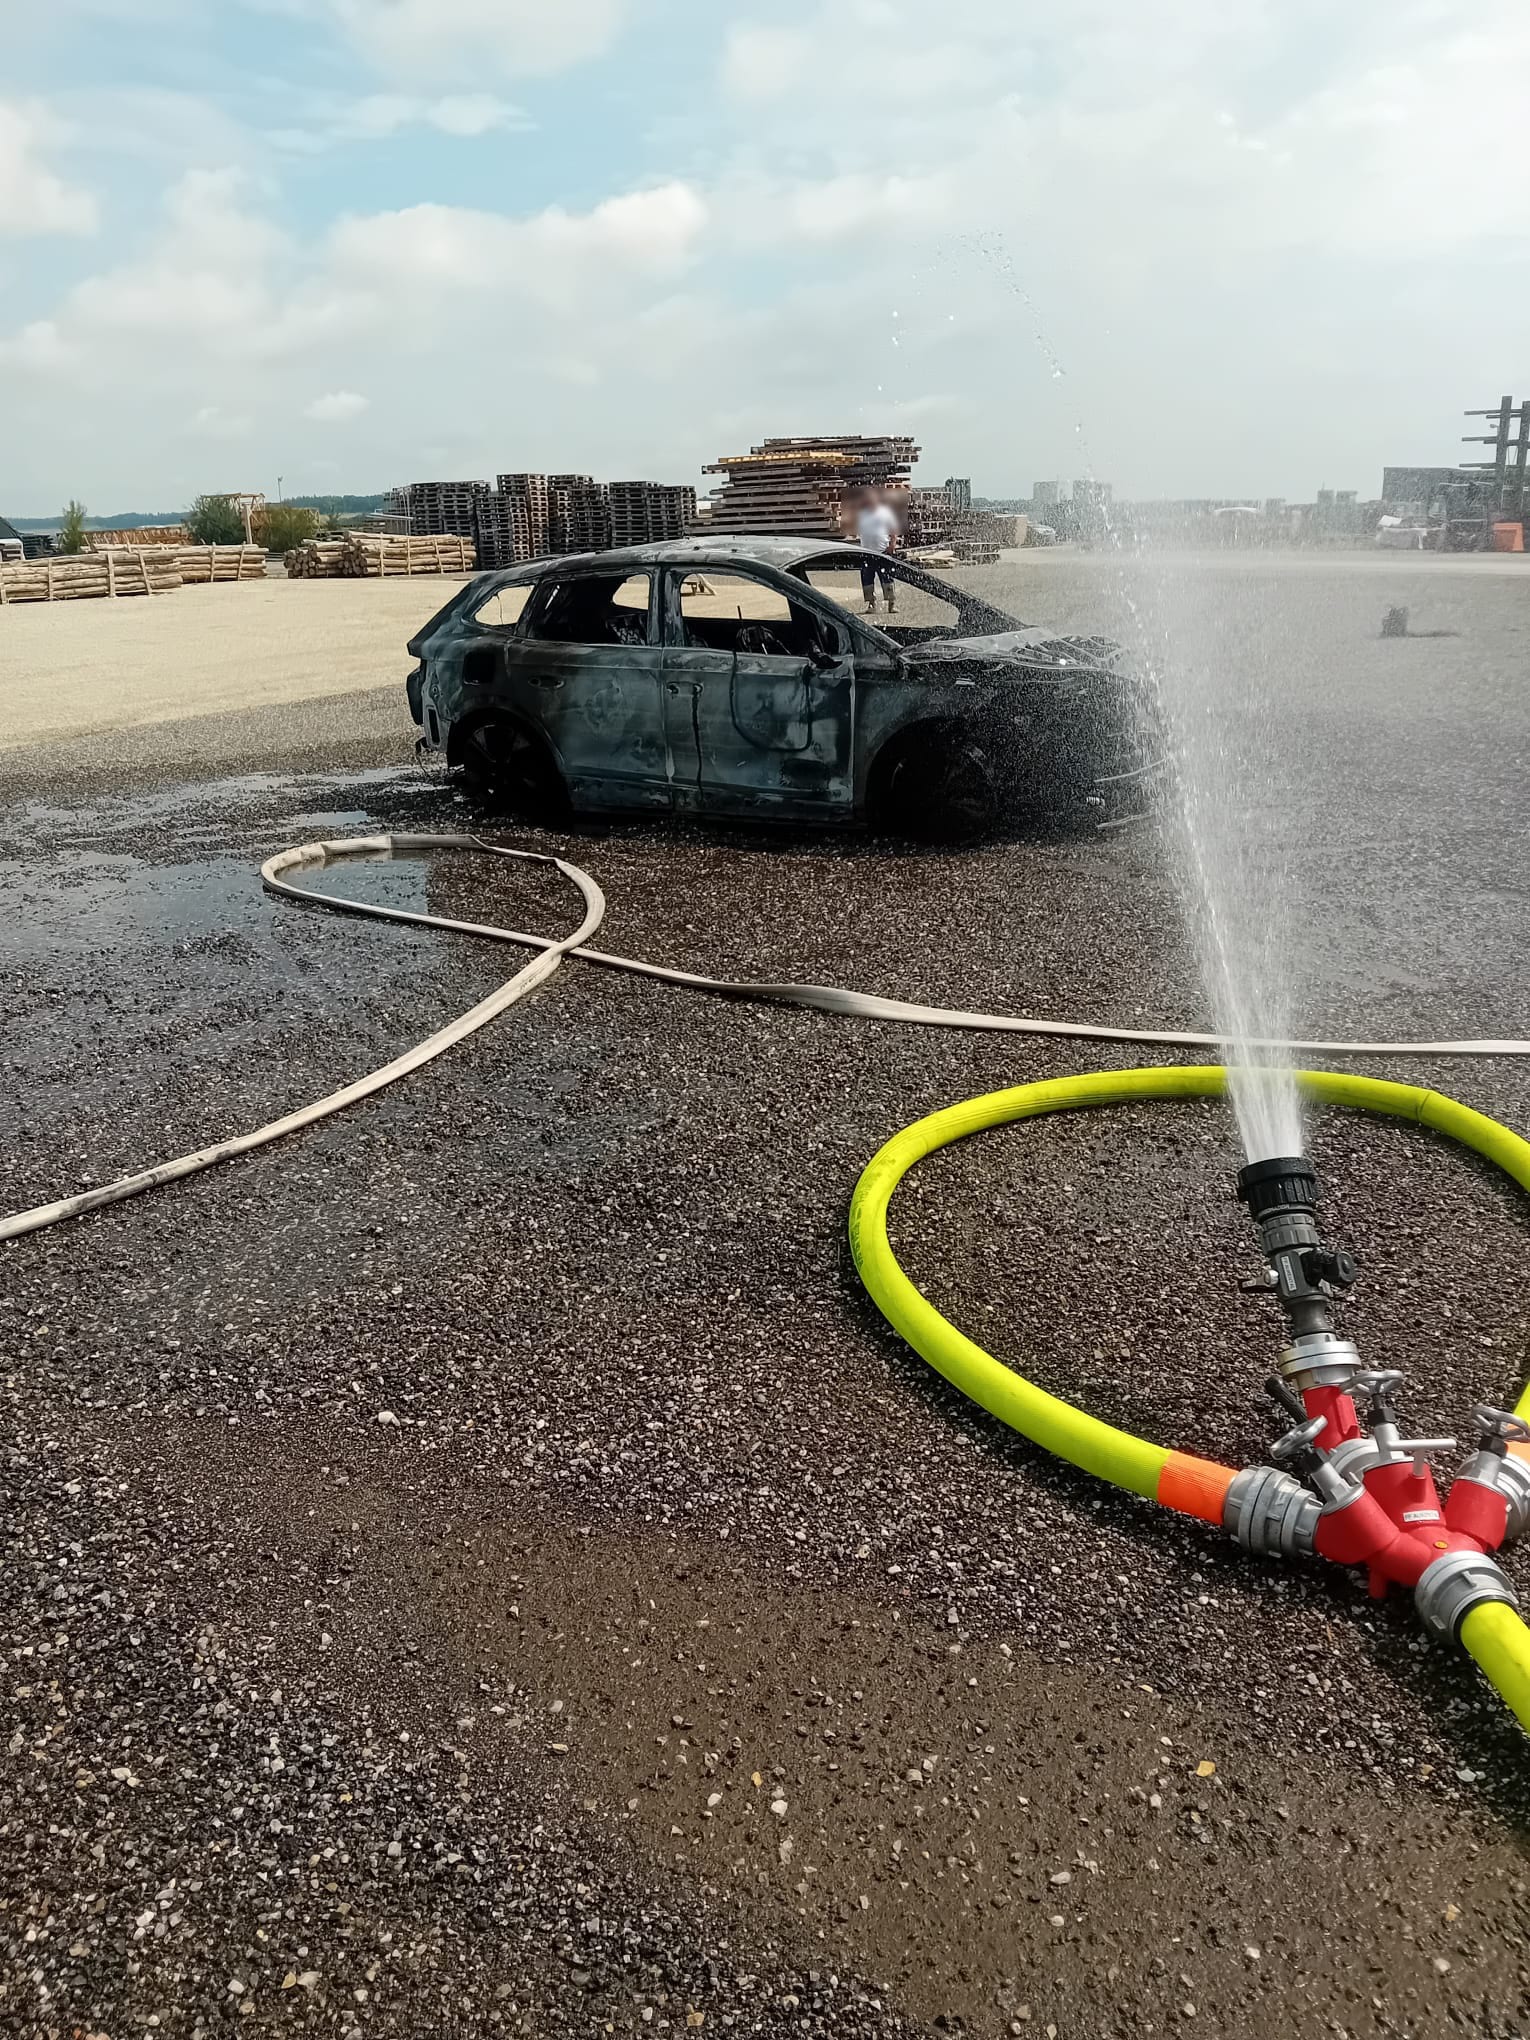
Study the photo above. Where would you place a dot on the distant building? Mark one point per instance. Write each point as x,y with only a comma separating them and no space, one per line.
1047,495
959,489
1418,484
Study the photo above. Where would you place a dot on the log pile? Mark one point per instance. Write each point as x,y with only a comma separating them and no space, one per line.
367,555
222,562
371,553
806,485
76,577
140,535
316,559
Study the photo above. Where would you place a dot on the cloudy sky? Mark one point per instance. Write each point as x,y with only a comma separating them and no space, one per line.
1199,247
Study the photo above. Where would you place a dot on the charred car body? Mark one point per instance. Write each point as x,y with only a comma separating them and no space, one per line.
734,677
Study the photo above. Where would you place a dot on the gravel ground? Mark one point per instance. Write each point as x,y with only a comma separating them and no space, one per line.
484,1566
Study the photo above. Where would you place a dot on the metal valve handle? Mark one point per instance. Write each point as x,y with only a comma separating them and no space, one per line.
1380,1383
1500,1427
1300,1439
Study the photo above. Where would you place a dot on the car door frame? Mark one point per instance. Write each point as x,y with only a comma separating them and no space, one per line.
599,708
735,768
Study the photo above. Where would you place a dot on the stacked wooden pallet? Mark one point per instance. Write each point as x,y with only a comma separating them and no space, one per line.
928,518
579,514
526,502
222,562
76,577
455,508
806,485
370,555
646,513
142,535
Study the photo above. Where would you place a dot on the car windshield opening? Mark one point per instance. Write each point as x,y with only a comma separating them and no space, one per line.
592,609
912,607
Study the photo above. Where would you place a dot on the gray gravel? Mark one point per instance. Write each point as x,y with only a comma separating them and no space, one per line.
568,1322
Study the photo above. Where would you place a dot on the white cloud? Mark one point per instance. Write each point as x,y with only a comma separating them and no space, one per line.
517,38
33,199
379,116
551,256
213,422
336,407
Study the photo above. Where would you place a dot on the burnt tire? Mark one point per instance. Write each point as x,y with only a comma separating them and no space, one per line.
509,766
937,787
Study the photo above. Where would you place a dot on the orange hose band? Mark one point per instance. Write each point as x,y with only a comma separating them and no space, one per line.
1196,1487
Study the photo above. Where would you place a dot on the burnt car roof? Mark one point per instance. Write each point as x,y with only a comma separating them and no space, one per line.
767,551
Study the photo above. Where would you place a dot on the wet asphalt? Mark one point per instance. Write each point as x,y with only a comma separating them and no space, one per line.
415,1525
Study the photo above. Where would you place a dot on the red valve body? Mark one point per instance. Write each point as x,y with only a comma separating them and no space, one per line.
1395,1526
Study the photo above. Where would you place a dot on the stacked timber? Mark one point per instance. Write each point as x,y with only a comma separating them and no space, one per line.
368,555
76,577
138,535
806,485
222,562
316,559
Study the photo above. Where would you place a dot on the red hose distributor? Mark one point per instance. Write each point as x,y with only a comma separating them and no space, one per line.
1360,1493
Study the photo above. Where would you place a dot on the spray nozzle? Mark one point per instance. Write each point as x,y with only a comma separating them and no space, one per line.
1283,1183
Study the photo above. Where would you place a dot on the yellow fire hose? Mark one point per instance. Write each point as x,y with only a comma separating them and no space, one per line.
1492,1631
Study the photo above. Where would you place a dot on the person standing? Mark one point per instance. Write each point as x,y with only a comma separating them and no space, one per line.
876,526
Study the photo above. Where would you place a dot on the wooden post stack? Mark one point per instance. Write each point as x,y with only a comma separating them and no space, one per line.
77,577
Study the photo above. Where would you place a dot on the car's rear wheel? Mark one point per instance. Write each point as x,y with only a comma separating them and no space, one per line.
509,766
938,787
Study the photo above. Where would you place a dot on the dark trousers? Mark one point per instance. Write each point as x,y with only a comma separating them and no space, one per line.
876,567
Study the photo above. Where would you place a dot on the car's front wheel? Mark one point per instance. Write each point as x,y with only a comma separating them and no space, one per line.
938,787
509,766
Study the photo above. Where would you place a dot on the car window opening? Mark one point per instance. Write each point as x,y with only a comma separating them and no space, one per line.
592,609
734,613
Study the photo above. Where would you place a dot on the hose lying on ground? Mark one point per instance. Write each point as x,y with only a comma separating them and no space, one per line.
1492,1632
818,998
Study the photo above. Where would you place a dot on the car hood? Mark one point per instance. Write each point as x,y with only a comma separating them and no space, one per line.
1030,646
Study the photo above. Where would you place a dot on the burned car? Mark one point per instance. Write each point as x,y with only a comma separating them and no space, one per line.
740,677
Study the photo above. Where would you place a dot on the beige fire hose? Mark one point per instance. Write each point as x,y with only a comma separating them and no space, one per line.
818,998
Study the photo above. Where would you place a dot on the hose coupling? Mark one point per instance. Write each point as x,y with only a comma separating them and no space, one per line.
1507,1475
1449,1589
1319,1360
1271,1513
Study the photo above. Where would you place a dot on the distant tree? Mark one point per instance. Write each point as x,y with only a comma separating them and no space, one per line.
215,520
287,525
71,532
